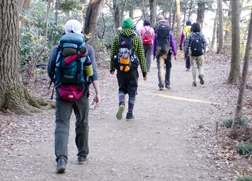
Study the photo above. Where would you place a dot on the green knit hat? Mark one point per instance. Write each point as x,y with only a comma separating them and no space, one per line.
127,23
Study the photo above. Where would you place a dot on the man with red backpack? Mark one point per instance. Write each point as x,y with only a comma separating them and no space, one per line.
147,34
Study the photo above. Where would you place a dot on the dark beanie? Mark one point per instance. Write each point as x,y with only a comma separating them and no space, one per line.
146,22
188,23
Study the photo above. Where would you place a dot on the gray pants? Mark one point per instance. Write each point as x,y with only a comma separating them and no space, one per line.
148,55
63,113
197,63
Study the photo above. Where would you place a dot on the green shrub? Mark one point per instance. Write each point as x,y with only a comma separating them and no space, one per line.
245,148
41,71
245,178
228,123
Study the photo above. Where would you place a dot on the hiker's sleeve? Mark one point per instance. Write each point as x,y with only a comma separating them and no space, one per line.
181,38
141,57
187,43
52,63
91,55
154,45
204,43
173,44
114,48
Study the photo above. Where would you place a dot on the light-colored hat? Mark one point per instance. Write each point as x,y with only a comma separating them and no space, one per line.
73,26
160,17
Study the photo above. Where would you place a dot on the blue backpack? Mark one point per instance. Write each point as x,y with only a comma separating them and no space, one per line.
70,73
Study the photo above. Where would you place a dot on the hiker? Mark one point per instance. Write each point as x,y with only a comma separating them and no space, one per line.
74,97
126,54
195,46
147,34
161,19
163,47
185,33
136,30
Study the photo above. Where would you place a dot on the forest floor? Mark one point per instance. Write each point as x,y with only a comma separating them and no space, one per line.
172,138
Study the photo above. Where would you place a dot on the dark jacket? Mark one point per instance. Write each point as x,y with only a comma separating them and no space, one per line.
189,39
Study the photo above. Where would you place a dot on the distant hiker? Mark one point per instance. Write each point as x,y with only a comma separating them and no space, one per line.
195,46
126,54
136,30
163,46
147,35
72,67
161,19
186,31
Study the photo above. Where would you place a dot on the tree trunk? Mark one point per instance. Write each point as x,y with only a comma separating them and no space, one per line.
116,14
153,12
173,22
13,95
184,20
25,21
143,10
200,13
220,25
56,13
239,105
178,23
91,19
20,5
214,30
234,74
170,15
227,35
190,10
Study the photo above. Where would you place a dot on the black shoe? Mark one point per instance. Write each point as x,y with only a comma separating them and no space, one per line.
61,166
201,79
81,159
168,86
129,116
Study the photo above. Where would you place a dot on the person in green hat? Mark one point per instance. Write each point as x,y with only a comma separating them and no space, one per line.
126,54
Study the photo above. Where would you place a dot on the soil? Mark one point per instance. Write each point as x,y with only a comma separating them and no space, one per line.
172,138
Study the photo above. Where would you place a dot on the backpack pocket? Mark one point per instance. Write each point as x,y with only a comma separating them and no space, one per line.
70,92
124,64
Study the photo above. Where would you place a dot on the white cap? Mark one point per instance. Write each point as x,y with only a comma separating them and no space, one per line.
73,26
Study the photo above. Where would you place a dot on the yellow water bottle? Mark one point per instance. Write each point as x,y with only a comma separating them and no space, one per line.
88,67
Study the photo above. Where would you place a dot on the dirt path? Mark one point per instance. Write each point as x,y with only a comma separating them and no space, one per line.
164,142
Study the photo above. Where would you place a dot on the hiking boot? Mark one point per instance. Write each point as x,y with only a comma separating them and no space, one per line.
168,86
161,87
61,166
201,79
129,116
194,84
119,112
81,159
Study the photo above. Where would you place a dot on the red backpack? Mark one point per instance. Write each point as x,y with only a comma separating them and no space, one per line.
147,37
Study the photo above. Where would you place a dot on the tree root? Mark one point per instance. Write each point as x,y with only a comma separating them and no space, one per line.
23,103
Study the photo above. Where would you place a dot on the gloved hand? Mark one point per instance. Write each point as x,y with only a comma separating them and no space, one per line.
180,47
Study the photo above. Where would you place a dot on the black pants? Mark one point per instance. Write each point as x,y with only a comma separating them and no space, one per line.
188,63
127,82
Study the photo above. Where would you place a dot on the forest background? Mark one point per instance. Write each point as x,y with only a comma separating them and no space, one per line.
226,25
